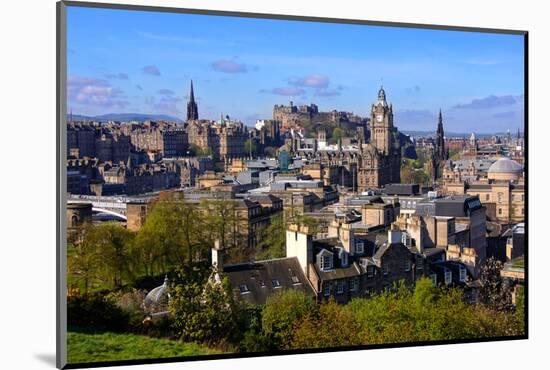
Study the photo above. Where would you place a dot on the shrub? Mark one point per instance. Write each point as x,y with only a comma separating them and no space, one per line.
95,312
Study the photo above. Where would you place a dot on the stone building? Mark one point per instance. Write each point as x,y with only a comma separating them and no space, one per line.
225,138
360,166
342,266
377,212
112,145
346,265
380,160
295,118
80,140
78,214
168,140
453,224
255,282
136,214
502,191
268,133
467,170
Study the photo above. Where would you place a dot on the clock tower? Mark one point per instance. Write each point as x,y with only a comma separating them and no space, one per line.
381,124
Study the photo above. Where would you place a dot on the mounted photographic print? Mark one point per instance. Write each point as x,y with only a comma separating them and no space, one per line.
235,185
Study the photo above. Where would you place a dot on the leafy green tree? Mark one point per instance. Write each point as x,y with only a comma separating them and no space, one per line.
172,235
282,312
272,240
426,314
337,134
413,175
112,243
203,306
222,222
425,293
331,326
84,260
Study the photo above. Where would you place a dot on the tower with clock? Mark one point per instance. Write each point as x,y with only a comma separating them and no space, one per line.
380,160
381,124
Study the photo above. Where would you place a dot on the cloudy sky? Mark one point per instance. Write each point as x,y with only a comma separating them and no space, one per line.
123,61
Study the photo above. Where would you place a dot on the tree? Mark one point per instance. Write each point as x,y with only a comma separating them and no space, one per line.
113,246
494,292
272,240
84,260
412,172
202,306
223,223
337,134
173,234
332,326
282,312
424,292
426,313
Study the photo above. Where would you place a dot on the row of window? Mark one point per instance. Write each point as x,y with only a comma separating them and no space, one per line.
448,276
274,283
515,197
340,285
521,211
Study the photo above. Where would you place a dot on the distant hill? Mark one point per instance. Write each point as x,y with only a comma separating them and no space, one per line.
126,117
456,134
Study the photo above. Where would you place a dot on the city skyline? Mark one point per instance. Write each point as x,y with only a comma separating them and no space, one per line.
243,66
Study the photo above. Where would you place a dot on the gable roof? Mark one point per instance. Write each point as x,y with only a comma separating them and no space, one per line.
260,278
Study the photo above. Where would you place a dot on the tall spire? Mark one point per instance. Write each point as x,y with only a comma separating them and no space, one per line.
382,97
192,94
192,109
440,122
440,151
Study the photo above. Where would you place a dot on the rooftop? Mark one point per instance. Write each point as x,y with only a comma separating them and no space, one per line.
505,165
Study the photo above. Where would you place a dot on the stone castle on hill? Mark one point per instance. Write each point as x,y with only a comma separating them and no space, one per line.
292,117
366,164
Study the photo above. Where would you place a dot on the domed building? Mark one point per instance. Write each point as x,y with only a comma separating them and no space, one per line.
505,169
156,301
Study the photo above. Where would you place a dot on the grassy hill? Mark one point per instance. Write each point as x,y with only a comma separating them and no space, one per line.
84,347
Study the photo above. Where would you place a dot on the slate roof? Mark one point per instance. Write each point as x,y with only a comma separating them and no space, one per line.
255,282
339,272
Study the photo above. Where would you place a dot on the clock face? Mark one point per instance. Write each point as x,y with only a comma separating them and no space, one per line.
379,118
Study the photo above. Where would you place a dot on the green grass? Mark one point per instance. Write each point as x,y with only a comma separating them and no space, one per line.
84,347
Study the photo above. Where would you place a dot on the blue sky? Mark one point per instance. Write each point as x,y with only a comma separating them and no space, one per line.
142,62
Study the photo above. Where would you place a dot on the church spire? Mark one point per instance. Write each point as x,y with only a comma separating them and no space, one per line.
192,109
192,94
